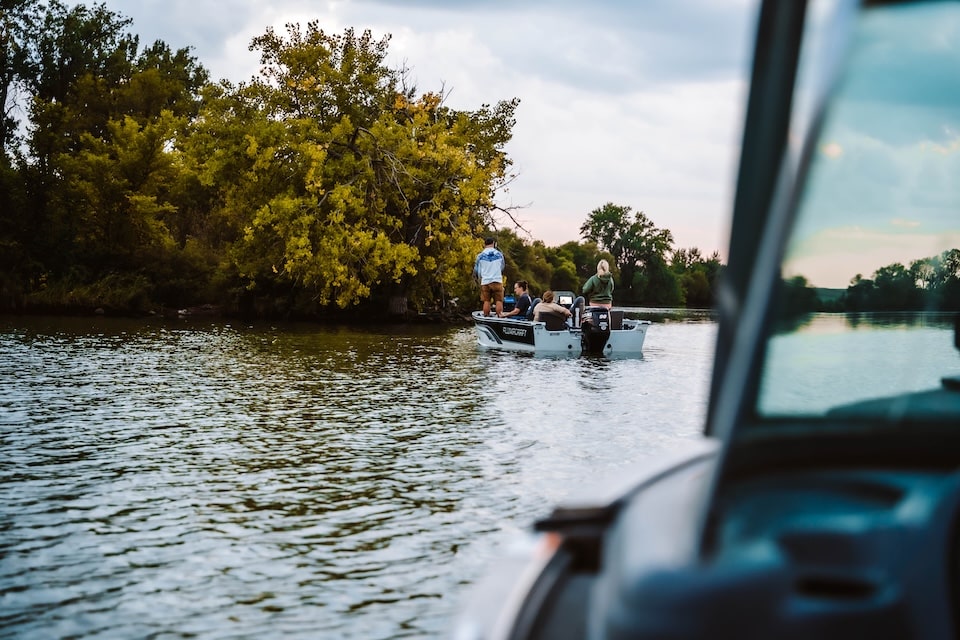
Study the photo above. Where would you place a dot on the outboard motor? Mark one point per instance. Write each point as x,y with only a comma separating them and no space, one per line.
595,329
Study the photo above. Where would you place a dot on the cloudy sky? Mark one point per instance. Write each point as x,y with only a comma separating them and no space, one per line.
883,186
635,103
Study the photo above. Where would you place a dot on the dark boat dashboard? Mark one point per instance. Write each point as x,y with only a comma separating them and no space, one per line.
804,554
824,547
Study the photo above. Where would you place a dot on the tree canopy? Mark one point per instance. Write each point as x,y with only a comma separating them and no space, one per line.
326,184
927,284
641,252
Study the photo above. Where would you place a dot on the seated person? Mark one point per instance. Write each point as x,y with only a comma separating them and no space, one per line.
522,308
547,305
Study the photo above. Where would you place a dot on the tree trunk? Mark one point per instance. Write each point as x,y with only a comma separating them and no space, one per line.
397,305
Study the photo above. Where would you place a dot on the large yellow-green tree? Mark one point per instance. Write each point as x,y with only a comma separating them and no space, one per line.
357,189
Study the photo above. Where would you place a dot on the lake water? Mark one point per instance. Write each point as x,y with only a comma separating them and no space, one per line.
171,479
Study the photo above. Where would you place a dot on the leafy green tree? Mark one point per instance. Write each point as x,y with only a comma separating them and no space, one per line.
584,257
797,297
326,77
637,246
896,289
892,288
117,185
565,274
608,226
16,262
19,33
101,152
70,50
82,53
937,281
945,283
698,276
19,29
656,284
949,295
364,191
697,290
860,294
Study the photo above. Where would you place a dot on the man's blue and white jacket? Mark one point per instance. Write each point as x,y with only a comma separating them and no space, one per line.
489,266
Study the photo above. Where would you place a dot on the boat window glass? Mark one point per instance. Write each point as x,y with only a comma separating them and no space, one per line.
870,280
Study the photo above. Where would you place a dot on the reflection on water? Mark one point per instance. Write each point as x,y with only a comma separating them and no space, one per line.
185,479
828,360
844,322
899,320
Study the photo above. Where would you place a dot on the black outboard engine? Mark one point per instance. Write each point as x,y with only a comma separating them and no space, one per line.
595,328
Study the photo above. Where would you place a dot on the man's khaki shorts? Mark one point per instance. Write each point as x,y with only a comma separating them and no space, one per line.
492,292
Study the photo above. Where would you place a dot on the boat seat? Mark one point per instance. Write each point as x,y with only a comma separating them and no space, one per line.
533,305
554,321
616,319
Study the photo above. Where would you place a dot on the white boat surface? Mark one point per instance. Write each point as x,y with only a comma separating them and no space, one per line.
611,335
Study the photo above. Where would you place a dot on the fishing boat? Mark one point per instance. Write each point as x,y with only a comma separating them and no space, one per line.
591,330
823,498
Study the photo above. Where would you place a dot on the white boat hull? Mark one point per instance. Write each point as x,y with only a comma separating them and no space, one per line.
512,334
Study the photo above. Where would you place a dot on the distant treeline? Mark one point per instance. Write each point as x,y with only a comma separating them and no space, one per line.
647,269
928,284
327,185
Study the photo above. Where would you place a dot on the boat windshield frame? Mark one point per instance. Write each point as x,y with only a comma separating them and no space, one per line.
797,74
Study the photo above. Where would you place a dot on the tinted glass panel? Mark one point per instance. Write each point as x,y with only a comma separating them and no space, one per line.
871,277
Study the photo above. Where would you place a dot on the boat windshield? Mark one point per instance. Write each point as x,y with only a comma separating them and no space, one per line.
870,279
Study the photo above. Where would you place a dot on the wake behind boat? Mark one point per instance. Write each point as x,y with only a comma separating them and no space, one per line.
593,330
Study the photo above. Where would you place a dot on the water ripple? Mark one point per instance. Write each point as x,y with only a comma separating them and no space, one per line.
174,479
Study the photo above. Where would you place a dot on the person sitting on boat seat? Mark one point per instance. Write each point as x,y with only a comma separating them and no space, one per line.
576,308
524,307
548,311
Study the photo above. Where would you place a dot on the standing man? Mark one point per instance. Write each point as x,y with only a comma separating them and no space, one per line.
488,269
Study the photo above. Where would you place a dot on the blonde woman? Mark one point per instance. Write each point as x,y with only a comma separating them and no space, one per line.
598,290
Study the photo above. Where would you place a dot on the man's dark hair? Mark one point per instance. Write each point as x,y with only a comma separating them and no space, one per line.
488,241
522,284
